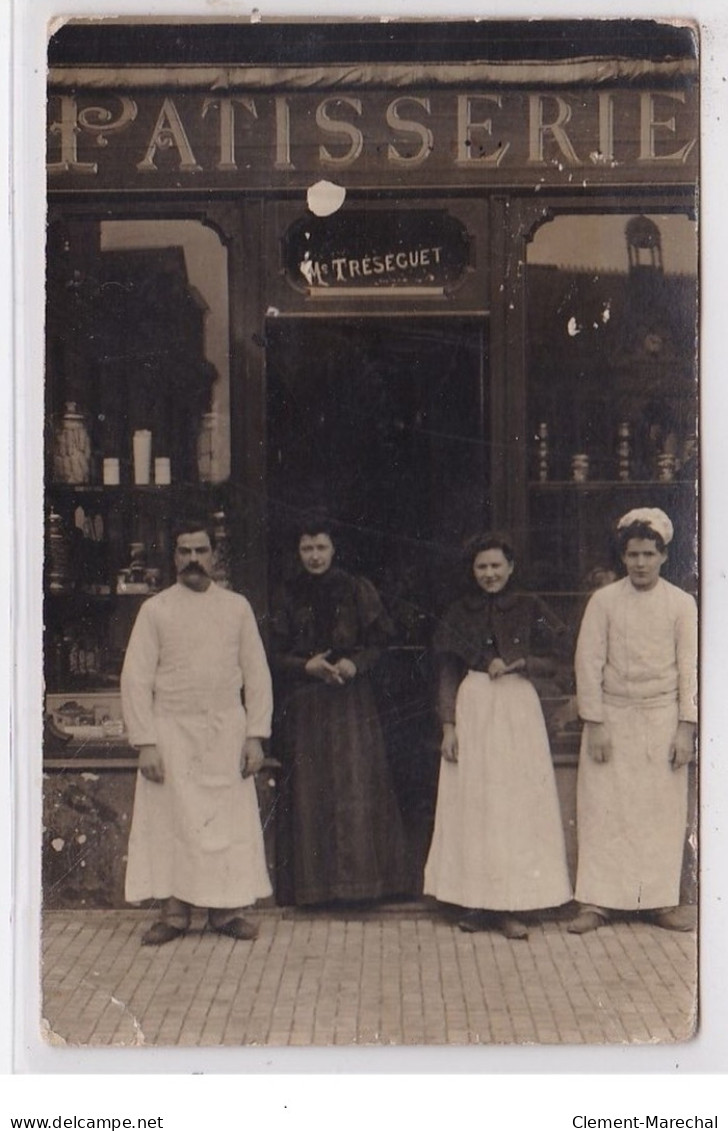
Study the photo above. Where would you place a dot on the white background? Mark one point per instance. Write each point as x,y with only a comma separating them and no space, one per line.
482,1087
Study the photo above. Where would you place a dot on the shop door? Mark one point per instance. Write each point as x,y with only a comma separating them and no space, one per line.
384,424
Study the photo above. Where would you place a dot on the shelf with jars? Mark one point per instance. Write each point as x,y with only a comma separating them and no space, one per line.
106,550
108,545
113,494
611,424
653,459
589,465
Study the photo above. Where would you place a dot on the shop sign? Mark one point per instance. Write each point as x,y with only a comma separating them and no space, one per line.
181,140
354,250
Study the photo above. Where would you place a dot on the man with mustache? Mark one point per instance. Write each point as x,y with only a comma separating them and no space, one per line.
194,657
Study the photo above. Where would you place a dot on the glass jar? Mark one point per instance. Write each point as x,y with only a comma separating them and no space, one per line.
206,447
72,448
59,566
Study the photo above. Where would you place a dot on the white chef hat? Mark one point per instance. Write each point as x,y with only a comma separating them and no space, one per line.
653,517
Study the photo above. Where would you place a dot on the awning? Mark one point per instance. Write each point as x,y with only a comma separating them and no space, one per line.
573,72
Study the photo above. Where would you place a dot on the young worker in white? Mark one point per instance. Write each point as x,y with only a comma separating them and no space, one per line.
636,678
196,837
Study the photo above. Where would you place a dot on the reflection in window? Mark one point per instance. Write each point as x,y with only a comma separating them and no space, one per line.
611,341
167,295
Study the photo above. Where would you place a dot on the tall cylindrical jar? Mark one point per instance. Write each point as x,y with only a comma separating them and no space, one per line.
72,448
206,447
623,451
223,564
58,555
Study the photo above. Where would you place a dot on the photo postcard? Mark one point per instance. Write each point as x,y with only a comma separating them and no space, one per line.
370,555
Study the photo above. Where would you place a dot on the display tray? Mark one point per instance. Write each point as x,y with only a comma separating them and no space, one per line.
86,716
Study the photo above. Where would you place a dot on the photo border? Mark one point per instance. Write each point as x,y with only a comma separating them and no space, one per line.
708,1052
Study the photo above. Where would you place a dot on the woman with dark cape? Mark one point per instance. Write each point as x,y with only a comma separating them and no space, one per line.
498,846
340,811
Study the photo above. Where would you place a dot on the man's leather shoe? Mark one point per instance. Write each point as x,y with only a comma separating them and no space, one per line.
675,918
513,928
161,933
238,928
586,921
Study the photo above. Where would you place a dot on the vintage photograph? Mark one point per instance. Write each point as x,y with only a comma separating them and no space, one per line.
371,533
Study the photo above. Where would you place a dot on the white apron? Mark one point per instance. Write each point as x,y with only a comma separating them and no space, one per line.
198,836
632,812
498,841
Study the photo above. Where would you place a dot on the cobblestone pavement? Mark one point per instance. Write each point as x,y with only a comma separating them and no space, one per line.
387,977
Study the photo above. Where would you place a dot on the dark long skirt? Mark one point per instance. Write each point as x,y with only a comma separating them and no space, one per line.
346,840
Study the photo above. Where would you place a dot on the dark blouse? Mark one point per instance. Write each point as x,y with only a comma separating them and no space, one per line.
477,628
338,613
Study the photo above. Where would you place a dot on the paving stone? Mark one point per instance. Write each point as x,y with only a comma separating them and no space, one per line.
385,978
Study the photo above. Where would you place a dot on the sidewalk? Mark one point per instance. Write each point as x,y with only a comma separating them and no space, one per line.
401,976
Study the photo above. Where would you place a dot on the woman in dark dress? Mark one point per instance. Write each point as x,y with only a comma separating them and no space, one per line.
345,830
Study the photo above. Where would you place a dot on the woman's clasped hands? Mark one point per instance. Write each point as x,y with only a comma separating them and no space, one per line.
336,675
498,667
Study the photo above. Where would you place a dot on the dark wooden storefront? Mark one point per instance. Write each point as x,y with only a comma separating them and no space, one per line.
394,361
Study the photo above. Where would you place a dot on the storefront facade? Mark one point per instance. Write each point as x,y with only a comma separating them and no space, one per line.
313,268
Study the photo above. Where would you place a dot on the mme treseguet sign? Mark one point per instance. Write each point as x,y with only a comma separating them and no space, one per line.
371,250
